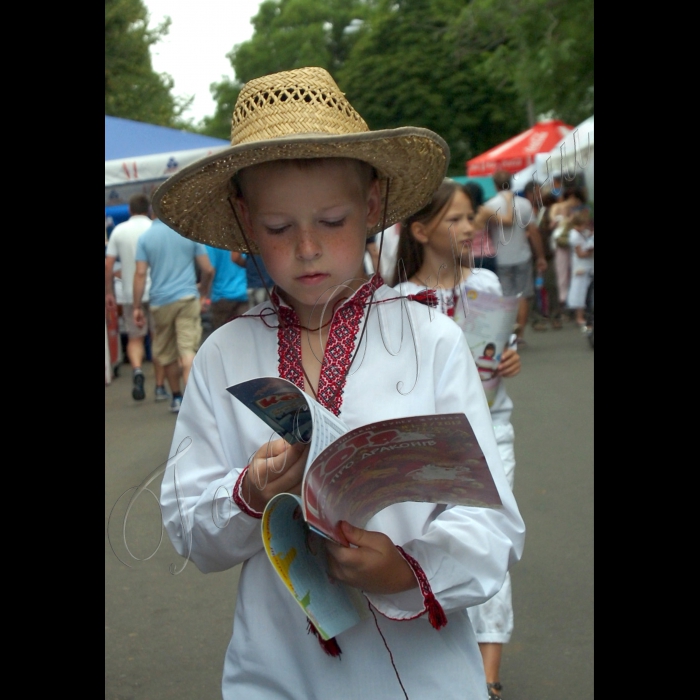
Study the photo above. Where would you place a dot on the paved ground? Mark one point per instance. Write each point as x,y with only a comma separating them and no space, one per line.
165,634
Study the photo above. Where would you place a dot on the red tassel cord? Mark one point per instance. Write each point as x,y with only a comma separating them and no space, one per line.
330,646
436,615
427,297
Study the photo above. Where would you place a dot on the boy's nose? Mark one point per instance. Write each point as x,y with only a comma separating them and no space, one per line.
308,247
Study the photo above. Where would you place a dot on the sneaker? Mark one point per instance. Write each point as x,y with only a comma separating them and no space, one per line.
138,392
175,404
161,394
490,687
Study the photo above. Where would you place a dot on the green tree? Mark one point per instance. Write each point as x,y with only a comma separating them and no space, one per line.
287,34
405,70
543,47
297,33
133,90
475,71
225,94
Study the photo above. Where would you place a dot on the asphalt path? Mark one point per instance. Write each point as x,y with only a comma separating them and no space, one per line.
167,628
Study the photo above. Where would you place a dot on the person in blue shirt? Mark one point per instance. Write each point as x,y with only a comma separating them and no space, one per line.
229,290
174,299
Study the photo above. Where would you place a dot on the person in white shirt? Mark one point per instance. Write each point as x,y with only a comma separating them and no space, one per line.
582,263
122,247
515,244
306,193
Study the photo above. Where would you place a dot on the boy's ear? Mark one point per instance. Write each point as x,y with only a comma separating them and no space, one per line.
374,204
419,232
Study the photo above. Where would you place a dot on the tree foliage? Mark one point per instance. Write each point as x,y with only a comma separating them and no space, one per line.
404,71
133,90
544,47
225,94
287,34
475,71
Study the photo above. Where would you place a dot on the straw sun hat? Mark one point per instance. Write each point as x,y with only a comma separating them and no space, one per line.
298,114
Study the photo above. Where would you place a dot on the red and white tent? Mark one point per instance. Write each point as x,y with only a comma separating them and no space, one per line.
517,153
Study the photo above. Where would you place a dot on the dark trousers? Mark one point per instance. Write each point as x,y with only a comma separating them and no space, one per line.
224,310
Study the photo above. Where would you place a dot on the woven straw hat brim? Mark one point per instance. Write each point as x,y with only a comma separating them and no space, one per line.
195,201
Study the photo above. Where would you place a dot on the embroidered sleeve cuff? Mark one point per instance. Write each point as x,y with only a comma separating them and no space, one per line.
240,501
414,603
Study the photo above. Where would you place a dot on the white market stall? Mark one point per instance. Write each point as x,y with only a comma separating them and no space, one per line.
572,155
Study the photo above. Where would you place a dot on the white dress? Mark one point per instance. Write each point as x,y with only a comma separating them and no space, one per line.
409,361
492,620
581,269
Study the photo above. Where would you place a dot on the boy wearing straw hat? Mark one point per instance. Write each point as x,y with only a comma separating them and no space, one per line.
304,184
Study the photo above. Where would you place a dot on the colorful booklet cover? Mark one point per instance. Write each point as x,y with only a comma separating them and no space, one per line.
352,475
487,325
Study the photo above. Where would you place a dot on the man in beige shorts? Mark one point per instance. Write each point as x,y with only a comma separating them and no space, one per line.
175,300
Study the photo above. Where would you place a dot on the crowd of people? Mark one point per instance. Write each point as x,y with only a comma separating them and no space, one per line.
288,277
569,222
538,241
531,247
172,292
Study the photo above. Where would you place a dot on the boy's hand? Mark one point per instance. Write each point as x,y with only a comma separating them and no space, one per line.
509,365
277,467
373,564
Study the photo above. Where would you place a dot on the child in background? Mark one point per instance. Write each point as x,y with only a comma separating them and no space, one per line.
559,221
434,253
305,183
581,243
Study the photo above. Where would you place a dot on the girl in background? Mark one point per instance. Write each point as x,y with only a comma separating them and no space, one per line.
433,254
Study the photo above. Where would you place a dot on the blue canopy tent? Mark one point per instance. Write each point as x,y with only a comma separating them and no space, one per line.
139,156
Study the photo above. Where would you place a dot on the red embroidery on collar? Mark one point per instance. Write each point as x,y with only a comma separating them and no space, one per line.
339,348
289,346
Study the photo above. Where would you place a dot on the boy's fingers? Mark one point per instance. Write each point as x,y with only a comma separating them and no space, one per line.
280,450
359,537
352,534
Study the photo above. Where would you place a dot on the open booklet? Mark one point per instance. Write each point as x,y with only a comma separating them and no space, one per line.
351,476
487,325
